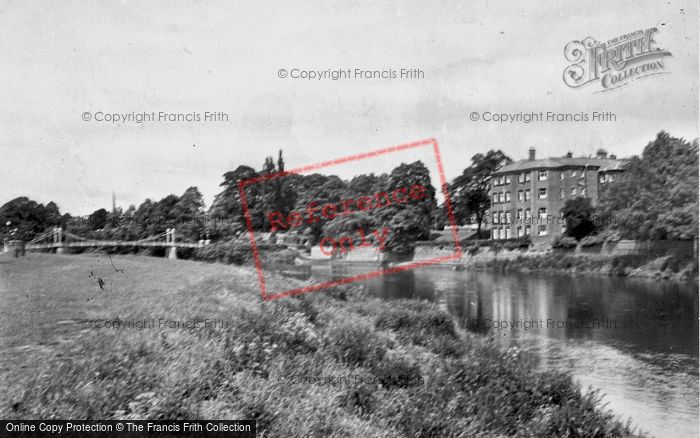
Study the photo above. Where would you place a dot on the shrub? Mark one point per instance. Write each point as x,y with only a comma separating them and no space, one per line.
564,242
397,372
359,400
592,240
355,345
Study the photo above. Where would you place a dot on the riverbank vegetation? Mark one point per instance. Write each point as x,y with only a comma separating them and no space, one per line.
668,267
331,363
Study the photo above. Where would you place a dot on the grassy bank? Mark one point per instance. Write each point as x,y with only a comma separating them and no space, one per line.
332,363
666,267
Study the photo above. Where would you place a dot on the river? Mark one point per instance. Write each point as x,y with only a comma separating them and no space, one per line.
634,340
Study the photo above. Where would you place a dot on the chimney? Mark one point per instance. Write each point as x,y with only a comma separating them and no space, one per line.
601,153
532,154
569,154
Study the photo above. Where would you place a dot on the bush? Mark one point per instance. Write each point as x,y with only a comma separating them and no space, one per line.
564,242
519,243
592,240
397,373
234,251
355,345
359,400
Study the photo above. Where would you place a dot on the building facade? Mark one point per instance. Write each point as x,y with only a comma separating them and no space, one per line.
527,196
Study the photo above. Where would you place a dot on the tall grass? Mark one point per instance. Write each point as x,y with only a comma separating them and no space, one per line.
325,364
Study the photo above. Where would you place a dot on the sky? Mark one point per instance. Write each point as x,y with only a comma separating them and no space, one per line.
63,59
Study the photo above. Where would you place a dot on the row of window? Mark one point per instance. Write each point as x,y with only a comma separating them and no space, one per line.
542,176
500,233
524,195
504,217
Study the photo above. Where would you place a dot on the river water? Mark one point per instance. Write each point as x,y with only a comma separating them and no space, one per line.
634,340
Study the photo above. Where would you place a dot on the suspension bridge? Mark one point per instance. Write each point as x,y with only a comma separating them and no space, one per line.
58,239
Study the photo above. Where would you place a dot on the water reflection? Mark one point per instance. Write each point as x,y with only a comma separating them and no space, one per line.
636,340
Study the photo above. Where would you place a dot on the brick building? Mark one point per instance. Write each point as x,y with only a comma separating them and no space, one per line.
527,196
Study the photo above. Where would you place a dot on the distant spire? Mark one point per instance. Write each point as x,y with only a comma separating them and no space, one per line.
114,203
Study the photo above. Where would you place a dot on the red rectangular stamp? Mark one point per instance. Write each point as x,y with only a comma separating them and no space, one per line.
335,220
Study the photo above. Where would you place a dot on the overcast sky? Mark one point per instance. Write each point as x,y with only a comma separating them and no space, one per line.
61,59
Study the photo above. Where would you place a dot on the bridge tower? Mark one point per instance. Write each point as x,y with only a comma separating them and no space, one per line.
170,238
58,239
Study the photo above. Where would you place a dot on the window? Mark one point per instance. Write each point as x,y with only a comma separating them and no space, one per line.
508,233
527,195
561,175
542,194
542,175
561,193
527,176
500,180
494,234
611,178
520,231
495,198
563,229
502,217
520,195
528,215
542,230
519,215
527,230
495,217
500,196
507,196
500,233
542,213
521,178
573,173
507,179
602,177
573,191
509,217
583,191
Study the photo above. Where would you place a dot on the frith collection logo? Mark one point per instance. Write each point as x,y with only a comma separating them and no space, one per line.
614,63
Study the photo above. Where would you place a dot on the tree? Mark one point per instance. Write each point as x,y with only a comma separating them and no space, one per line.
657,195
579,214
469,192
98,219
411,221
227,206
22,218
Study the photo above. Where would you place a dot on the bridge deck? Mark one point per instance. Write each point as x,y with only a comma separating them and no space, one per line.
112,243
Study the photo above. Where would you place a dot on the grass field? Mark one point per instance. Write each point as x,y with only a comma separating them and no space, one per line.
333,363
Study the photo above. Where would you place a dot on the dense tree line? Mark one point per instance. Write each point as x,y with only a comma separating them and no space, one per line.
655,198
226,217
657,195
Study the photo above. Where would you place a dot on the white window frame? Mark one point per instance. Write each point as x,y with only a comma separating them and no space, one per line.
542,175
542,230
542,193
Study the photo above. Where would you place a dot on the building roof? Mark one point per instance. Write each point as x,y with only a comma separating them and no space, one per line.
603,164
